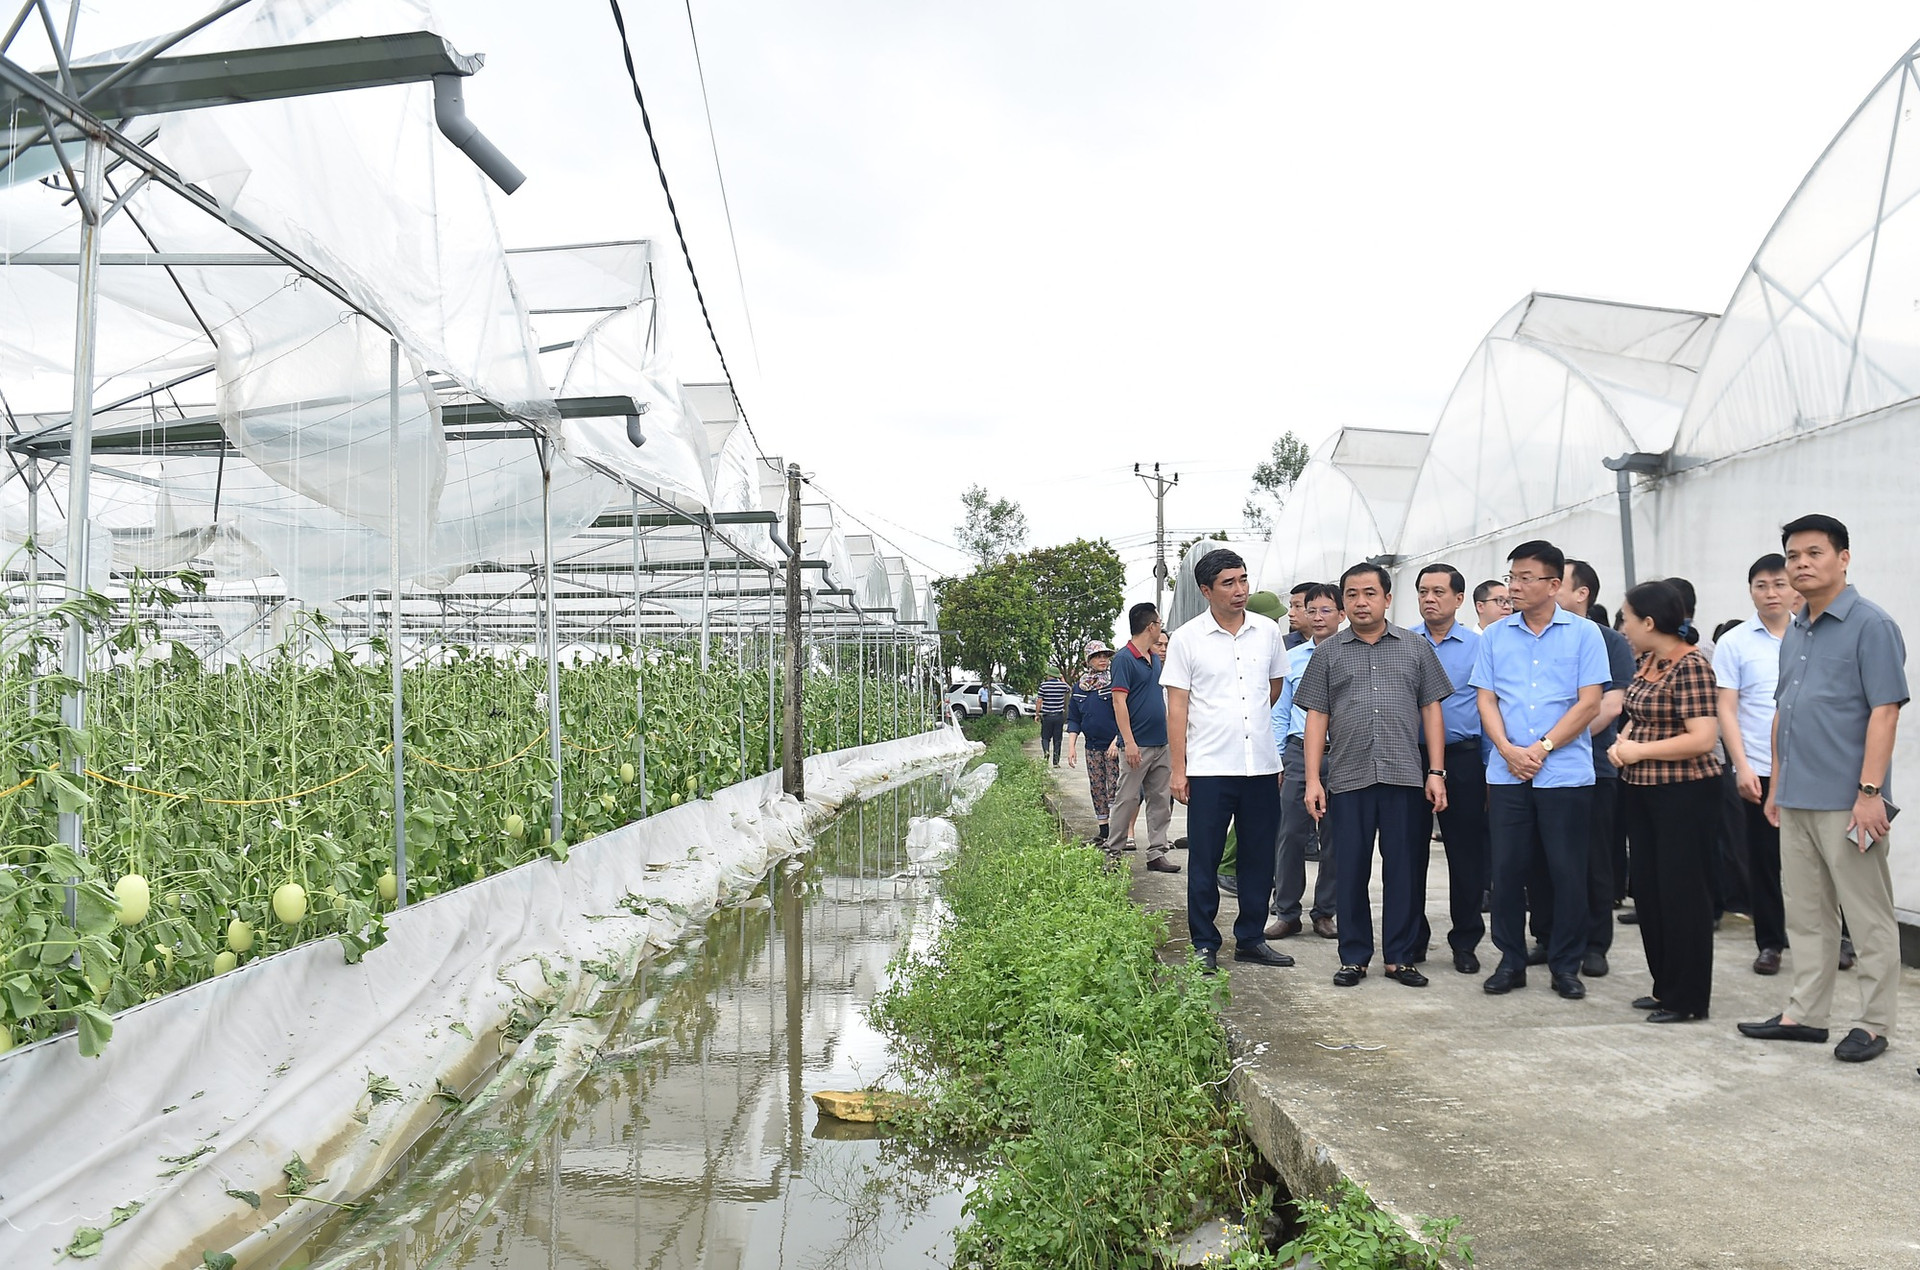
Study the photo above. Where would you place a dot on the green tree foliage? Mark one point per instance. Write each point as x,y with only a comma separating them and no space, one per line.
992,527
1273,480
993,621
1082,586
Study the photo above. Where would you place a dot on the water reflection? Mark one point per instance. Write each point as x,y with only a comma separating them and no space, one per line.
693,1141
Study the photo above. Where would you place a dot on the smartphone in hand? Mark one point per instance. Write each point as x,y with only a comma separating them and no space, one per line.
1853,831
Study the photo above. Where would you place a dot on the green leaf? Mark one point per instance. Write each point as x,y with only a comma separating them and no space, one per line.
251,1197
70,797
96,1029
86,1242
125,1213
462,1029
217,1260
382,1089
298,1178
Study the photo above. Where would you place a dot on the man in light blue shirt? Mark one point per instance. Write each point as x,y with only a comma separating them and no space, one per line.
1298,829
1442,590
1540,675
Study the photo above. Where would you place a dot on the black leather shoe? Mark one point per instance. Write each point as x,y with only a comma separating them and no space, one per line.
1347,976
1209,960
1846,954
1569,986
1628,917
1261,954
1673,1016
1646,1003
1774,1030
1160,864
1409,975
1229,885
1594,965
1537,955
1768,962
1505,979
1860,1046
1466,963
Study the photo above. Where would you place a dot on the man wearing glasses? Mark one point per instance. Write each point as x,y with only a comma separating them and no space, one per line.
1540,674
1491,602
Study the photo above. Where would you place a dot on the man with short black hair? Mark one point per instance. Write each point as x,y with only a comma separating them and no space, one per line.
1300,838
1746,667
1223,672
1052,702
1372,696
1842,682
1491,602
1140,711
1540,676
1297,633
1441,589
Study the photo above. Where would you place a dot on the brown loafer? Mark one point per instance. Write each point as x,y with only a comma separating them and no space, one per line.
1324,927
1281,927
1160,864
1768,962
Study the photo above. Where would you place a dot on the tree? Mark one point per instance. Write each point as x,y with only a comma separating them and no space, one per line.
1180,552
1081,585
1273,480
992,528
993,623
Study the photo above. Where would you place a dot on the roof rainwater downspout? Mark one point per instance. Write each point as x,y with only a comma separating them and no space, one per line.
450,113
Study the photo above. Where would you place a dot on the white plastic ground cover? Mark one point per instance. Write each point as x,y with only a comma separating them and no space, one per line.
211,1091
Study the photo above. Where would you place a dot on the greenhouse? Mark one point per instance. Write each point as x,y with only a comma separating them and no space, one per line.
1346,507
354,560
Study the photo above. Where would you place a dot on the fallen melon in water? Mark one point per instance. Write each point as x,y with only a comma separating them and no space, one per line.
290,903
239,936
135,899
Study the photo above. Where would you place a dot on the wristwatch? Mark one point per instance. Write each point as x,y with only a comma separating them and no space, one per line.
1546,743
1441,772
1871,791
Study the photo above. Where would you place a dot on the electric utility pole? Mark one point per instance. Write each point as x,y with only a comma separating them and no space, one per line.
793,744
1158,485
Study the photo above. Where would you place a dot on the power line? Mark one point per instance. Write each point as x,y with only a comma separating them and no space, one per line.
863,523
713,143
646,120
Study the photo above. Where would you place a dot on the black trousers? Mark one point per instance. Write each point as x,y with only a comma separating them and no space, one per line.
1463,831
1252,805
1551,823
1732,890
1600,883
1052,726
1673,837
1763,873
1397,817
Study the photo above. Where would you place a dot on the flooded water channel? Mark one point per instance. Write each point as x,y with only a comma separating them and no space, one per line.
693,1141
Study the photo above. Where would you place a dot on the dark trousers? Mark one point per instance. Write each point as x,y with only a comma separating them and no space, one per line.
1463,831
1673,840
1763,873
1731,888
1551,823
1299,837
1252,805
1052,726
1617,849
1600,884
1397,815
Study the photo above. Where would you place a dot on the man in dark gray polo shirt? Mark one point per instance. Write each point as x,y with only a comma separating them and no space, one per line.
1842,682
1377,689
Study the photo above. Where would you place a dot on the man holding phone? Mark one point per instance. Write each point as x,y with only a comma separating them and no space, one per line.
1842,682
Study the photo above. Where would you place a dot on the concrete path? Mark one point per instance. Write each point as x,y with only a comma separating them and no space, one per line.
1572,1133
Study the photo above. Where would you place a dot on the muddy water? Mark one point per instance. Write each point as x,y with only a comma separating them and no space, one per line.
693,1141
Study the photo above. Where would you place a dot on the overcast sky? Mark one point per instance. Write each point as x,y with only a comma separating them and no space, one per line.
1032,244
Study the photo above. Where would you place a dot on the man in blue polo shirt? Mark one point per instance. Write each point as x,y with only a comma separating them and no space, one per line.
1539,675
1140,711
1442,589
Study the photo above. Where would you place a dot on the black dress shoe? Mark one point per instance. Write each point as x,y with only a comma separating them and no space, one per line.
1209,960
1569,986
1847,957
1537,955
1860,1046
1646,1003
1409,975
1594,965
1261,954
1628,917
1673,1016
1180,843
1466,962
1229,884
1774,1030
1347,976
1505,979
1768,962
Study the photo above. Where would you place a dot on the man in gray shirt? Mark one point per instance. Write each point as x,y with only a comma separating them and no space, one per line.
1842,682
1376,688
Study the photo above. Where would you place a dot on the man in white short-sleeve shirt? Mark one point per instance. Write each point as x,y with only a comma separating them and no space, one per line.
1746,665
1224,670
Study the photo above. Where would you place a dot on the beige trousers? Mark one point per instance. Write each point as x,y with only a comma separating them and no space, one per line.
1149,785
1822,874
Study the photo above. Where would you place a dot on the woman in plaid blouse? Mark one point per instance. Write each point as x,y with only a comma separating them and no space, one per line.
1666,762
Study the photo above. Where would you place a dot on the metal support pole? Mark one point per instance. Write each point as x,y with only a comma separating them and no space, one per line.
639,669
1623,485
893,650
73,706
393,624
706,596
557,822
860,666
793,773
773,677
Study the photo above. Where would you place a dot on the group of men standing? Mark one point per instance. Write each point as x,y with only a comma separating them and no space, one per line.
1525,739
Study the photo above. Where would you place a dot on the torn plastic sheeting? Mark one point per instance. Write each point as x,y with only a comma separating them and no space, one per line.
969,788
274,1059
